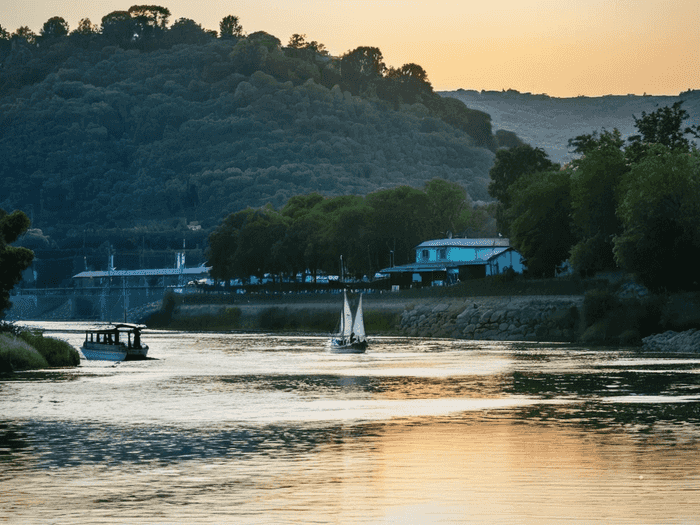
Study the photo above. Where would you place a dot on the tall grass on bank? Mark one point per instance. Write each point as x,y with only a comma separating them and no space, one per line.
55,351
16,354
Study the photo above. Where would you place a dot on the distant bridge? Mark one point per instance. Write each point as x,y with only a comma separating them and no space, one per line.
103,303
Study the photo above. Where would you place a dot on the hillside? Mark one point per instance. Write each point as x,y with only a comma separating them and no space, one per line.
549,122
120,138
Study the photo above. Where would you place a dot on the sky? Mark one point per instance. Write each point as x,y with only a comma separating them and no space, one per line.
564,48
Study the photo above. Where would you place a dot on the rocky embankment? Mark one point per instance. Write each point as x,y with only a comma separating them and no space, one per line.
532,318
670,341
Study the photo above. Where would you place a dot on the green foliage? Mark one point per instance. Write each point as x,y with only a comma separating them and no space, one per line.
56,352
230,27
312,232
663,126
446,202
15,354
507,139
153,15
360,67
510,165
597,304
26,34
660,213
13,260
55,27
595,180
541,228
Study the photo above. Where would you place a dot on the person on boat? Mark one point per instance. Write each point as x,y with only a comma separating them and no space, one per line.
352,337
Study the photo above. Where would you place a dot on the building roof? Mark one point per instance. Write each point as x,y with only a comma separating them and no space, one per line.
444,265
196,271
467,243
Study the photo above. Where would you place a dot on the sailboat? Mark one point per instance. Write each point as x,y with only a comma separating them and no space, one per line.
352,338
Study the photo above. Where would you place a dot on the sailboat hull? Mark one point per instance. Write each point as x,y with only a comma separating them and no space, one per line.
339,347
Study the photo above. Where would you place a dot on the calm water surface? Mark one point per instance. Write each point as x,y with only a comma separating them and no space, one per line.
230,428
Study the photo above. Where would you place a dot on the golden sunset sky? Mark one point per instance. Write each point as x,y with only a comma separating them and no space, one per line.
563,48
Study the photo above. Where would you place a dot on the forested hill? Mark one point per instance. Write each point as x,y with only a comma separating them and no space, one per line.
98,135
549,122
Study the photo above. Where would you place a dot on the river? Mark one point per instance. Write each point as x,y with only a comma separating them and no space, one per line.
255,428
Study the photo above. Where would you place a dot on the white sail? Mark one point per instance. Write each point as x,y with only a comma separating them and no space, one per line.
359,324
346,320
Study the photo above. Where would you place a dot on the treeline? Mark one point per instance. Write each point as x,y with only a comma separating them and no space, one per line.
312,232
631,205
146,28
137,122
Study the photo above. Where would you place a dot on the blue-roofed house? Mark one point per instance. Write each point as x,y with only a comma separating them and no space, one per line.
447,261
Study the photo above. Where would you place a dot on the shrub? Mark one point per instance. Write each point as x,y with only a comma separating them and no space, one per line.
273,319
54,351
596,306
16,354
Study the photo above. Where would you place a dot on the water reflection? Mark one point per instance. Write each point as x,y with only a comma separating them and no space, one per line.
247,428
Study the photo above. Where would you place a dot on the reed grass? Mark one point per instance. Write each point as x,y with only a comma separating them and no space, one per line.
16,354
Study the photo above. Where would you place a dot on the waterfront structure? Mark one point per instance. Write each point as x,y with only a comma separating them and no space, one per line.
448,261
178,276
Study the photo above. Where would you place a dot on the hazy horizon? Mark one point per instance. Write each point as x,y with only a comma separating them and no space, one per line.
583,47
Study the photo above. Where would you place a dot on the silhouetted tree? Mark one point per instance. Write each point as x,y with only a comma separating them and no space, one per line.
509,166
361,66
186,31
660,213
230,27
13,260
118,28
663,126
26,34
541,225
153,15
54,27
594,200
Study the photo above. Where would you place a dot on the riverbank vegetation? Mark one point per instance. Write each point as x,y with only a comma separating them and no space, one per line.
632,206
314,233
22,349
140,131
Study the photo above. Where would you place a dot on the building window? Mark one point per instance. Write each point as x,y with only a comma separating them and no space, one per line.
442,253
425,255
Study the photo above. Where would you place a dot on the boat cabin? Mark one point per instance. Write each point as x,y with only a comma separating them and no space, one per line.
120,334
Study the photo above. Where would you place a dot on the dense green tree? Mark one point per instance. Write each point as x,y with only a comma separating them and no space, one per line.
118,28
4,35
230,27
399,221
447,201
13,260
594,198
186,31
223,243
508,167
54,27
475,123
25,34
409,82
507,139
660,212
541,228
360,67
154,16
664,126
85,27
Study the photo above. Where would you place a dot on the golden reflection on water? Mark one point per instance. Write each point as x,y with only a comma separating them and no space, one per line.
266,429
425,470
